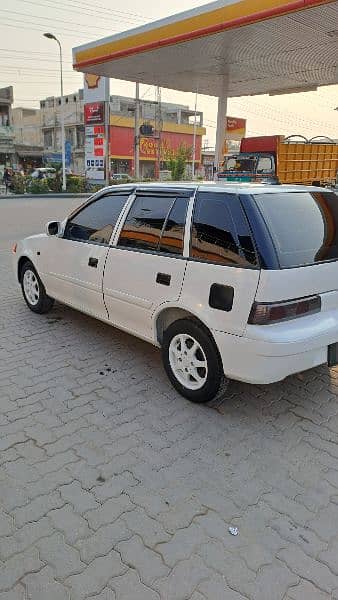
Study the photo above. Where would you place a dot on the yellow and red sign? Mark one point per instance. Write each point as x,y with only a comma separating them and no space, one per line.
235,129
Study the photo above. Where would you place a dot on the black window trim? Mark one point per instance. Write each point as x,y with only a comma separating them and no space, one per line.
94,198
190,258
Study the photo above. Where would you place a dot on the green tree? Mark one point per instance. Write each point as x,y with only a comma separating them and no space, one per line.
178,161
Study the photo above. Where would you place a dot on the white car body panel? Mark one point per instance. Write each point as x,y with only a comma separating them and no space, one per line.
130,290
195,294
68,277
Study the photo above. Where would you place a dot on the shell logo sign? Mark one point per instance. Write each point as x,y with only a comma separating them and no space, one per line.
92,81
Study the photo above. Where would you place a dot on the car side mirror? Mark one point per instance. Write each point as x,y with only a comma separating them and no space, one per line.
53,228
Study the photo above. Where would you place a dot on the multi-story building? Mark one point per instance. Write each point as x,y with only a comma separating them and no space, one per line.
27,137
172,126
38,132
74,129
7,150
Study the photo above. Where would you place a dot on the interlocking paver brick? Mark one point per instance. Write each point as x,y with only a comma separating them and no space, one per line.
129,587
114,486
42,586
309,569
239,577
306,591
106,594
103,540
81,500
38,508
16,567
24,537
183,579
146,562
17,593
325,523
64,559
110,511
150,530
217,588
6,524
182,545
96,576
72,525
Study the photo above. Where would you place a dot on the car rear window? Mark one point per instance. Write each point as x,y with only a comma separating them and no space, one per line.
303,226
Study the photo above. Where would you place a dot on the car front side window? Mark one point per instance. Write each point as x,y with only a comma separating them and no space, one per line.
95,223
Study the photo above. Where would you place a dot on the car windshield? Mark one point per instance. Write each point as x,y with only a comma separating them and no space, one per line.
303,226
240,164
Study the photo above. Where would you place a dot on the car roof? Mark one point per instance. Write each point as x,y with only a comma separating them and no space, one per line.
217,186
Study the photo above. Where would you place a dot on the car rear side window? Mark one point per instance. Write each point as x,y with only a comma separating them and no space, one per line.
155,223
214,237
95,223
303,226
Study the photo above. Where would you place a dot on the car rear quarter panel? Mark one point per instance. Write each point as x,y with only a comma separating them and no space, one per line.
196,292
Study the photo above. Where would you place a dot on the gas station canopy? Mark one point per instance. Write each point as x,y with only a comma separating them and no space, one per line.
256,46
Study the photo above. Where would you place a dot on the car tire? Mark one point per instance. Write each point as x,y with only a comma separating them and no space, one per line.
34,291
192,361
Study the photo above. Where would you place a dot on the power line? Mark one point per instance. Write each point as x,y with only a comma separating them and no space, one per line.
53,19
61,30
89,11
35,29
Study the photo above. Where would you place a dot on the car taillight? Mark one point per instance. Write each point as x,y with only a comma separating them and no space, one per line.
275,312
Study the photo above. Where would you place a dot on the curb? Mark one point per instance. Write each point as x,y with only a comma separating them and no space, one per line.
14,196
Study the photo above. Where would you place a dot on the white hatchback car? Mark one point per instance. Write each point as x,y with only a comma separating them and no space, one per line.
231,281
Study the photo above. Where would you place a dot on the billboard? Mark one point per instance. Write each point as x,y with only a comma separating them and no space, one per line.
235,128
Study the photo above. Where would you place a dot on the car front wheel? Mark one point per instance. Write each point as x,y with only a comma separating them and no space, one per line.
192,361
33,290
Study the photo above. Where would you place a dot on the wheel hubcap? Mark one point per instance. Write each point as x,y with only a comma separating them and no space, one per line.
31,287
188,361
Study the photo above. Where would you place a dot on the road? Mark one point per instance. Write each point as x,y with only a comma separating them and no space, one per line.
114,487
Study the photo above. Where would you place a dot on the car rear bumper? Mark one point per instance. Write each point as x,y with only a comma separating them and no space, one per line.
270,353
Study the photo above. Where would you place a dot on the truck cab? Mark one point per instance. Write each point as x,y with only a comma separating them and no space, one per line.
249,167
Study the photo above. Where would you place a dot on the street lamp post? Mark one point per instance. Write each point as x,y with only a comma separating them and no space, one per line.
50,36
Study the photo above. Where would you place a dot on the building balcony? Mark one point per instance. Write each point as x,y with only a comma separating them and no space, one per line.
6,132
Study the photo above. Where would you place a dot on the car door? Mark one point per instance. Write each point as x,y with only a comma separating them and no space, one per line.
74,263
145,268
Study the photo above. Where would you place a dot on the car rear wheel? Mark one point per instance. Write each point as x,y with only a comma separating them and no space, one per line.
33,290
192,361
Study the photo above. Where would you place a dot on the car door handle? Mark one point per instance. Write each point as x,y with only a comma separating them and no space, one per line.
93,262
163,278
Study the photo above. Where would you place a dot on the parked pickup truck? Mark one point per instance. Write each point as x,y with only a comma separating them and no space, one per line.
276,159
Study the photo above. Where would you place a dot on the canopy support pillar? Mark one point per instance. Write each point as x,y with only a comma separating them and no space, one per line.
221,116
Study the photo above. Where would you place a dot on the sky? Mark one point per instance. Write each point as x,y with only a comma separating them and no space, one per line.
29,62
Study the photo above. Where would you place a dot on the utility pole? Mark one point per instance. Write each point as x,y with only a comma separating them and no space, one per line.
194,140
106,136
51,36
137,132
158,131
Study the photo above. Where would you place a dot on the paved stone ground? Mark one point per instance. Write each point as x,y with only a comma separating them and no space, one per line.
114,487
